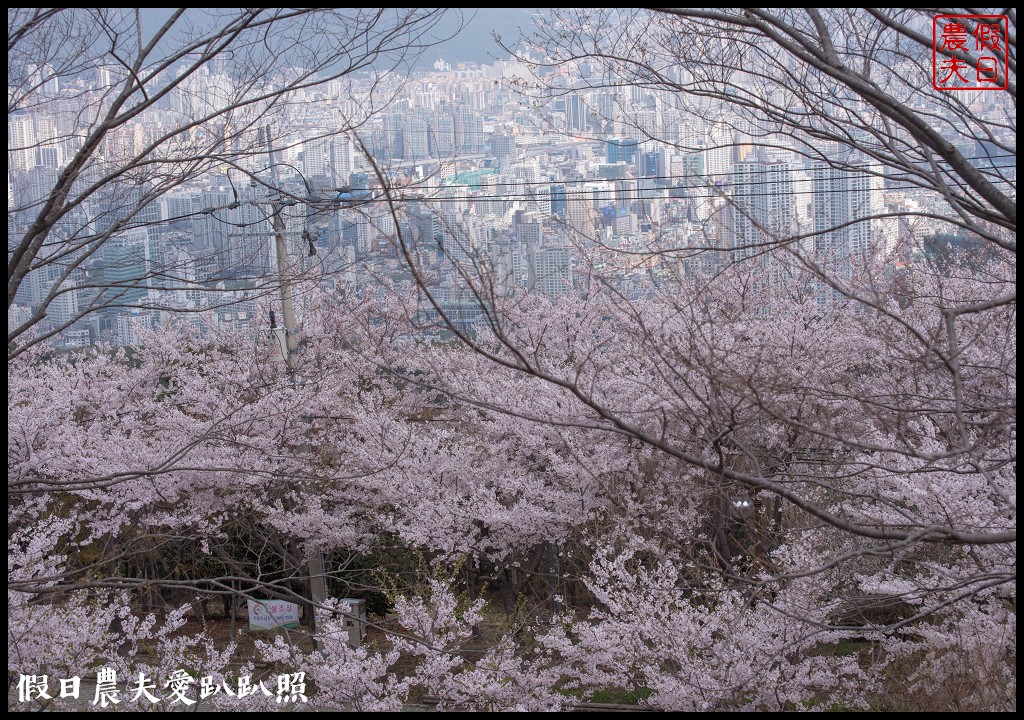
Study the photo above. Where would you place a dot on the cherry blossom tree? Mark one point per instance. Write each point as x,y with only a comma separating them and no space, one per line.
825,430
195,442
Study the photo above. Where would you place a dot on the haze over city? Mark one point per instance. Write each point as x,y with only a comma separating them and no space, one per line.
512,359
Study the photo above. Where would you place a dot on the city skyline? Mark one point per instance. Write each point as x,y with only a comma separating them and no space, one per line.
665,360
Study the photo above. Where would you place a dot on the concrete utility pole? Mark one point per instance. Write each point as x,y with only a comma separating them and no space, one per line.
317,578
287,305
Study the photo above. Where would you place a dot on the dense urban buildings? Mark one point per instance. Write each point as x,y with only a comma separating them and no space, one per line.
665,357
542,196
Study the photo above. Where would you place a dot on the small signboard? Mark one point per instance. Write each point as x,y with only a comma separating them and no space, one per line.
270,614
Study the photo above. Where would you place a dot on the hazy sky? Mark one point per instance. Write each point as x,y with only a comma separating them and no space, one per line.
473,42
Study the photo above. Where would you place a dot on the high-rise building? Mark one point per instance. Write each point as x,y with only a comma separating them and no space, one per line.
503,146
622,150
528,233
125,265
442,134
761,211
469,131
417,138
579,212
575,113
315,157
394,134
558,200
842,205
341,157
551,270
21,142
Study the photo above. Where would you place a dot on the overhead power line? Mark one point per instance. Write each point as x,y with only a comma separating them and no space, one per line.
400,195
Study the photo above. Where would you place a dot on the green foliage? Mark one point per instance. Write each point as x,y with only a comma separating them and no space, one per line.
608,696
389,567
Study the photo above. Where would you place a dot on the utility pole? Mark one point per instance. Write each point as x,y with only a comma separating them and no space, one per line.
317,579
287,305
